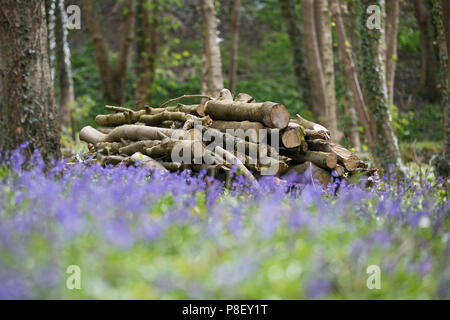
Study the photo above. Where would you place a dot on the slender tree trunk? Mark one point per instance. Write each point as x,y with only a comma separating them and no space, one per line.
328,69
318,15
351,117
215,78
429,54
314,64
27,105
445,6
204,76
351,75
147,50
392,16
113,79
373,76
441,13
234,45
50,18
294,30
66,94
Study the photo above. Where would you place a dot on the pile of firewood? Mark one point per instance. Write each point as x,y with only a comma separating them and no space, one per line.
152,136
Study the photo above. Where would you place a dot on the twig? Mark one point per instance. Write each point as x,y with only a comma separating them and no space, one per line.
118,109
186,96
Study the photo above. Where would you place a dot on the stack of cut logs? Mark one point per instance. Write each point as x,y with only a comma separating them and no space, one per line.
148,137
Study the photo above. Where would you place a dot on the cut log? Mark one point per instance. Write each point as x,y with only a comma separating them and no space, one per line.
196,109
125,132
118,119
108,147
311,125
91,135
225,95
250,129
139,146
246,98
147,161
271,114
231,160
194,149
156,119
137,133
313,135
228,140
345,157
316,173
111,160
324,160
339,171
172,124
291,137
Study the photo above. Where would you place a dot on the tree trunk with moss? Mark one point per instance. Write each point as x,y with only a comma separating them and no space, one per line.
374,82
27,104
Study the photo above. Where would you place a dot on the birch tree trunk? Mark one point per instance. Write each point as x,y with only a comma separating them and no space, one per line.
66,93
392,17
215,78
294,30
234,45
314,63
27,105
112,78
328,69
373,77
147,30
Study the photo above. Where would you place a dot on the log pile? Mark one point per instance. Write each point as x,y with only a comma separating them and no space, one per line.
259,138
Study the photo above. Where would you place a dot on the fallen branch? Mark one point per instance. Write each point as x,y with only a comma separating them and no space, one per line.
186,96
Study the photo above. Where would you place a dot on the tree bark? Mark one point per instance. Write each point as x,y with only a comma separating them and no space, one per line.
66,93
271,114
318,22
293,25
430,67
445,6
147,30
27,104
392,17
113,79
345,157
441,15
234,45
315,69
315,172
125,132
373,76
328,70
214,62
351,75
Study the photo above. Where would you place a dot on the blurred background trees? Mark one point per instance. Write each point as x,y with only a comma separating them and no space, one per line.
318,58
